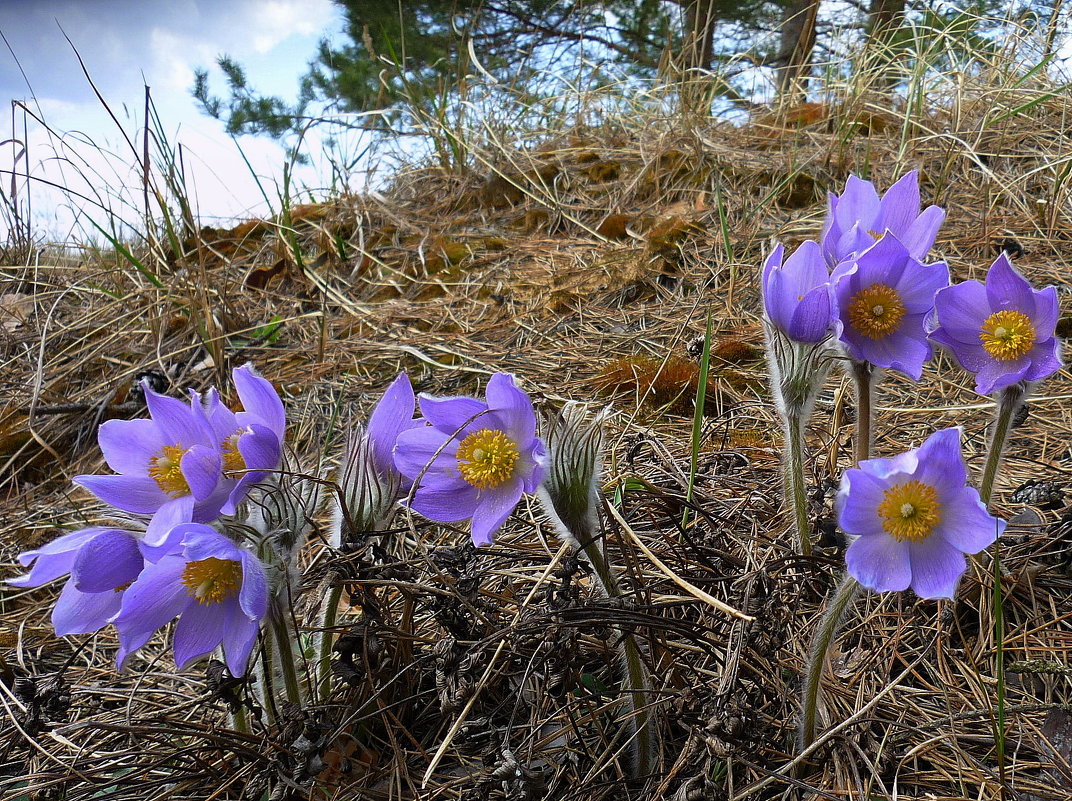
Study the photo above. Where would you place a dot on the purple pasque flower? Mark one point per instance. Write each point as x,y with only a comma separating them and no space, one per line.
250,441
797,294
218,591
913,518
1002,331
883,300
101,562
170,466
858,218
475,459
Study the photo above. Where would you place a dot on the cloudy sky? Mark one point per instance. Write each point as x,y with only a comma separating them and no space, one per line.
126,44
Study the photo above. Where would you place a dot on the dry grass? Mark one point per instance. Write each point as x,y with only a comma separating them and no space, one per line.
601,247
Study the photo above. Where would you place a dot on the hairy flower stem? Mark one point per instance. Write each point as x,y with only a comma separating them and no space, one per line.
795,494
284,652
239,721
863,374
327,639
1009,401
820,648
629,652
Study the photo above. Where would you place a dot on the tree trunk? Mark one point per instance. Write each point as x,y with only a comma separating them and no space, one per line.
795,49
883,16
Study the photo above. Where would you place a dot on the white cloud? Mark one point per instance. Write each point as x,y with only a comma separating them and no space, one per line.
277,20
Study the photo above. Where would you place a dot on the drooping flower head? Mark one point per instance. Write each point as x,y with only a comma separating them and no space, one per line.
218,591
913,518
1002,331
797,294
858,218
370,483
883,300
102,563
250,441
475,459
170,466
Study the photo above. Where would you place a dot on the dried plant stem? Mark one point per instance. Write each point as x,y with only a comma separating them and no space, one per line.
239,721
637,673
863,374
795,494
1009,401
820,648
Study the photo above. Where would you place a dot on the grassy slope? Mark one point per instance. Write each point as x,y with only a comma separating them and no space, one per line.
585,266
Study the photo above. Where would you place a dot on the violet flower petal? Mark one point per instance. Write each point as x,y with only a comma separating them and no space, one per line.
238,638
493,509
446,506
1007,289
78,612
153,600
966,524
512,407
920,236
109,560
899,207
199,630
448,415
178,422
880,563
936,568
390,417
130,445
260,401
202,468
136,494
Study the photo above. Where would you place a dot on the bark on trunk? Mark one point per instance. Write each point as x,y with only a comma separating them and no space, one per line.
795,49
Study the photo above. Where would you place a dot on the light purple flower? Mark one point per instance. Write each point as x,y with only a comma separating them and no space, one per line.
883,299
858,218
250,441
170,466
488,456
913,518
218,591
390,417
797,294
1002,331
101,562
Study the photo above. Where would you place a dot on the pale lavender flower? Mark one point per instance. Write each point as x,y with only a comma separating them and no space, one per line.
101,562
883,299
170,466
250,441
488,456
1002,331
218,591
797,294
858,218
913,518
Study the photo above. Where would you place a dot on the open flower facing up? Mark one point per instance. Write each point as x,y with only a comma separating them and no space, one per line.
913,518
218,591
170,466
475,459
102,563
883,300
858,218
797,295
250,441
1002,331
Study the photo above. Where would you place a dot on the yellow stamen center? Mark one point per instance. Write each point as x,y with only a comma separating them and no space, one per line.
1007,335
212,580
910,511
486,458
166,470
233,463
876,311
877,235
